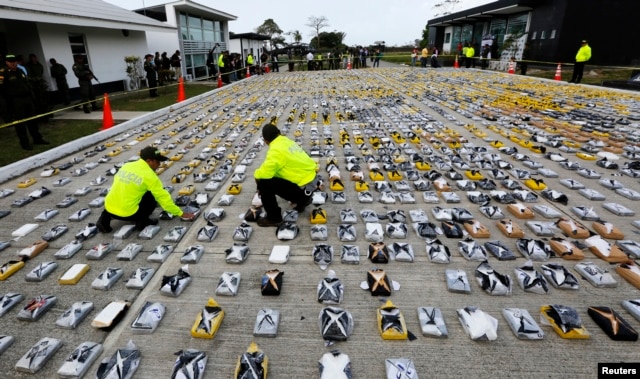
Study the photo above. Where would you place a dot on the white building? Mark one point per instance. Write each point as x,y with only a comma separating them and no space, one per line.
59,29
199,29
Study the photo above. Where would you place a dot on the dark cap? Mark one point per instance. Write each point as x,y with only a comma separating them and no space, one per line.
10,58
148,55
150,152
270,132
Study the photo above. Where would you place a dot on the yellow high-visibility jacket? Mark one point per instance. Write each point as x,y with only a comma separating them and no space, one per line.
286,160
584,54
131,182
220,61
470,52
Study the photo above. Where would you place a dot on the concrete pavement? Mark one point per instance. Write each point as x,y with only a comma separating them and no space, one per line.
228,120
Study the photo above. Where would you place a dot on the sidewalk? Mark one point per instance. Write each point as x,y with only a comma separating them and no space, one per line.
96,115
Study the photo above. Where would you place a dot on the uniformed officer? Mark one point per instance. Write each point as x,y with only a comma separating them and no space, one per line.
85,75
151,75
59,73
135,193
18,96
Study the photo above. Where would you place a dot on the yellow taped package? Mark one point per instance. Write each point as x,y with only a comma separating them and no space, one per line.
208,320
234,189
391,323
10,268
74,274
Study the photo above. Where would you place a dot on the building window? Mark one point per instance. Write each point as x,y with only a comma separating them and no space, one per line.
78,47
184,31
195,28
553,34
543,34
534,35
447,37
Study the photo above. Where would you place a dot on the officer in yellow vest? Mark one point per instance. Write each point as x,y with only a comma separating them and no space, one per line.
136,191
286,171
470,55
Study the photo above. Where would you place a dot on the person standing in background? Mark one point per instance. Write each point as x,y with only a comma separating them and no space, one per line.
414,56
582,57
470,57
151,75
39,87
85,76
526,51
424,57
59,73
18,95
165,72
175,64
484,55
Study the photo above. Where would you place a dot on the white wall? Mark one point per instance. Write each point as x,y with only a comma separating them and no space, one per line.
447,46
106,49
163,41
247,45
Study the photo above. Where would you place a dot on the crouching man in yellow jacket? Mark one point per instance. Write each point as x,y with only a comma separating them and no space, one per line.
136,191
286,171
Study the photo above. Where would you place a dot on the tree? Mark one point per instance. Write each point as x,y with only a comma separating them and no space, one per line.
295,34
425,37
271,29
317,24
329,39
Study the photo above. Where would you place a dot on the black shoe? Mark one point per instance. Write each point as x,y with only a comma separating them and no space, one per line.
265,222
570,81
86,110
103,225
41,142
300,207
26,146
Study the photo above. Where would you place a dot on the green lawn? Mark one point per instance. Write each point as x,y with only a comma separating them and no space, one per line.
59,132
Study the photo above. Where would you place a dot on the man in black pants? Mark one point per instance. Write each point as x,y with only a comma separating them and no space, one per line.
85,76
287,171
135,193
18,96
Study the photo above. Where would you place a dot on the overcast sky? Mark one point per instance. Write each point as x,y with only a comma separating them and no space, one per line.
397,22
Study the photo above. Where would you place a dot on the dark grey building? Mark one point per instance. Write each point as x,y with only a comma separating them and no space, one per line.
553,29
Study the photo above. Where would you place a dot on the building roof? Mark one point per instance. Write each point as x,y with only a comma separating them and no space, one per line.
190,7
88,13
497,8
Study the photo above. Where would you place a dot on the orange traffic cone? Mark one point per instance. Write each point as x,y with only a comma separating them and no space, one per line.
455,63
181,96
220,84
248,74
558,75
107,117
266,68
512,67
349,64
